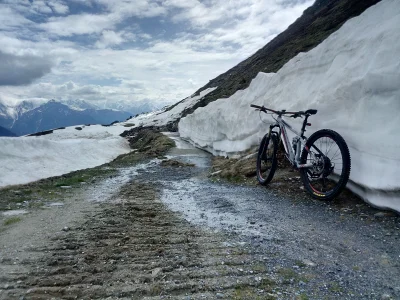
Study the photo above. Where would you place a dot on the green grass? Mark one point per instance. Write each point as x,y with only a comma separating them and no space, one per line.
356,268
259,268
37,193
300,264
287,273
290,275
244,291
69,181
335,287
12,220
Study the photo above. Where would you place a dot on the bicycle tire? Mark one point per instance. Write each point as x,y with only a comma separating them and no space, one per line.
332,173
266,173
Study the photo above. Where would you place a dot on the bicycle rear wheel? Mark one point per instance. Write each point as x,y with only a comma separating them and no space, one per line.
329,155
266,159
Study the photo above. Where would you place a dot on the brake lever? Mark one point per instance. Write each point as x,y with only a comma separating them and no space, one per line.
297,116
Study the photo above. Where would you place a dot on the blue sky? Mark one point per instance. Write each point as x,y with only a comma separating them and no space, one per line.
129,50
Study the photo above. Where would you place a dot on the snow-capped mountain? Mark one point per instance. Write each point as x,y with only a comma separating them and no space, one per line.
37,115
135,108
79,104
54,114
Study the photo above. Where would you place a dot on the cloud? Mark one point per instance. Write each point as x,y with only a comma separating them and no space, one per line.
21,70
78,24
10,20
109,38
134,8
58,7
128,50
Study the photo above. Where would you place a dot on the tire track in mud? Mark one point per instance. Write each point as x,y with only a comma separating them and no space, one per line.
135,248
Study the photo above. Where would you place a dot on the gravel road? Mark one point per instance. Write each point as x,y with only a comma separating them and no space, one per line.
170,232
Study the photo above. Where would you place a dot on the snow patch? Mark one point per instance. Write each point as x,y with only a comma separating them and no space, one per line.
27,159
163,117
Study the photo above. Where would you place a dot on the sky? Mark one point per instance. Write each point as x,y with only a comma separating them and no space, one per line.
129,50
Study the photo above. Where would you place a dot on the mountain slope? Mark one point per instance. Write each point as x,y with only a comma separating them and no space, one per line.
102,112
6,132
316,24
5,119
54,114
107,116
48,116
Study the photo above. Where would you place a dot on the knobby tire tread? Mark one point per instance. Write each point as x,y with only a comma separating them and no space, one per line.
274,140
346,163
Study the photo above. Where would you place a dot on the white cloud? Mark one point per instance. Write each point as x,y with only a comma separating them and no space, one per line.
78,24
58,7
41,7
212,36
109,38
137,8
10,19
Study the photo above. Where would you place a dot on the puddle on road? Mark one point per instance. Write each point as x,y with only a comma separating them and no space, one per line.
203,203
186,152
180,144
213,206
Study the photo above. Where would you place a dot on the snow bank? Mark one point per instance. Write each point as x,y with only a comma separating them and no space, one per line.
163,117
352,78
26,159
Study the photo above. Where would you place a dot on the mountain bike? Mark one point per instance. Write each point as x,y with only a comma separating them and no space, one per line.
323,159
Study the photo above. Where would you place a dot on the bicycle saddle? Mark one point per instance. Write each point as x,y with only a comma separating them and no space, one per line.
311,111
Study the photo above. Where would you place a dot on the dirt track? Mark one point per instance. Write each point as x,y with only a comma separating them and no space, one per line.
169,232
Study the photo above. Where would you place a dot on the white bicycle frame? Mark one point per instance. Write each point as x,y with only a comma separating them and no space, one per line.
299,139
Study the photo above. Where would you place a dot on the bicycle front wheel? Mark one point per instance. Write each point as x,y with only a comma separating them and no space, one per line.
329,155
266,159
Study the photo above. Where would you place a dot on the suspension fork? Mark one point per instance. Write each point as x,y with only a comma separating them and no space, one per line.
267,138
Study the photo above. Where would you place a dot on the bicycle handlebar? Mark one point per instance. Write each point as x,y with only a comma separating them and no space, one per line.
281,112
294,114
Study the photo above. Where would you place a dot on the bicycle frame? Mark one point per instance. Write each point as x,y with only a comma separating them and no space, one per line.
299,139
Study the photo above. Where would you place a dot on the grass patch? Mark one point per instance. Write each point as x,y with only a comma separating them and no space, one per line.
356,268
34,195
244,291
300,264
69,181
335,287
259,268
287,273
12,220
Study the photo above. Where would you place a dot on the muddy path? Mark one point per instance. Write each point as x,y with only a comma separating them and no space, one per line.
154,230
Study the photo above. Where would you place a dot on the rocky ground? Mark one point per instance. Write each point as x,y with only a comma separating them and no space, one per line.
177,225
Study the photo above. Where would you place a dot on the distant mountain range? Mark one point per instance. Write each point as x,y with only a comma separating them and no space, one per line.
6,132
34,116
